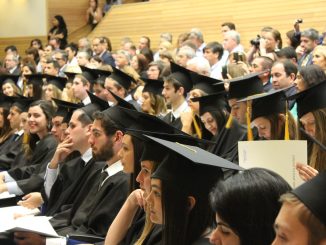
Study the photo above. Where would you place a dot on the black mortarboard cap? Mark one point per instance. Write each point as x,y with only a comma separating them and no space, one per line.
182,75
35,79
211,102
207,84
22,102
89,74
266,104
119,116
59,82
121,102
6,101
102,73
65,109
97,104
310,99
312,195
185,163
245,86
153,86
122,78
97,100
6,76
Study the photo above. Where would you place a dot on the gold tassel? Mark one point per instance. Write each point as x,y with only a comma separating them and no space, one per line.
196,126
229,122
286,130
25,138
24,87
249,130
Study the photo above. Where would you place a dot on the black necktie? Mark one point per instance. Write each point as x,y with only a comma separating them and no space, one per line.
103,176
172,118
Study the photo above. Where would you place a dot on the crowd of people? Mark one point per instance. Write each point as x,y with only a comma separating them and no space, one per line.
128,146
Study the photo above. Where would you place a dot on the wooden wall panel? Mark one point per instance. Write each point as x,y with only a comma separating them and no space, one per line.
177,16
22,43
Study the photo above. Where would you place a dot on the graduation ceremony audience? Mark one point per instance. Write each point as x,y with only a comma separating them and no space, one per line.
138,144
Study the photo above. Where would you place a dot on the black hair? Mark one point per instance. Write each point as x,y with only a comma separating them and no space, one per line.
73,47
288,53
230,25
47,108
84,119
184,225
109,126
38,41
62,24
6,129
215,47
312,75
249,203
289,67
12,48
138,146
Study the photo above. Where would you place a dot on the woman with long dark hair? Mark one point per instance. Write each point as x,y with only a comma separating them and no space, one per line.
245,207
94,13
59,30
42,145
179,197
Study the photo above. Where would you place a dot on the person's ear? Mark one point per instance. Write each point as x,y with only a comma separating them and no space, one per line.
118,136
89,129
181,91
191,202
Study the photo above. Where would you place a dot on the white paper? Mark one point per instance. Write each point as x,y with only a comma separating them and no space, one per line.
279,156
8,215
5,195
36,224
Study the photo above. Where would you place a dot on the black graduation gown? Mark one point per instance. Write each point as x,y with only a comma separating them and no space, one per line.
31,178
94,213
68,184
202,241
174,122
10,152
135,229
154,237
227,141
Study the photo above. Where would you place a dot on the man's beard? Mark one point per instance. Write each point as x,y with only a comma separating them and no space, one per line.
105,153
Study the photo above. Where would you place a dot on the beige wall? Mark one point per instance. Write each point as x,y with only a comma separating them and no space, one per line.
23,18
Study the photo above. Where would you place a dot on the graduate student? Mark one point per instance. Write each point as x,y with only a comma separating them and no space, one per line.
176,87
271,116
9,156
226,130
302,218
178,202
240,218
152,100
24,180
311,107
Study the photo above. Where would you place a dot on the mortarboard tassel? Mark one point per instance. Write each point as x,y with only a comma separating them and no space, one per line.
286,130
196,126
250,136
229,122
24,87
25,138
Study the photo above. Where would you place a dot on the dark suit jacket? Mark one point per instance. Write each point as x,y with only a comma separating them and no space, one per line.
108,59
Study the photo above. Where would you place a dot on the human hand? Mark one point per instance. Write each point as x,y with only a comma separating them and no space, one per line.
28,238
305,171
300,51
137,199
62,151
31,200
